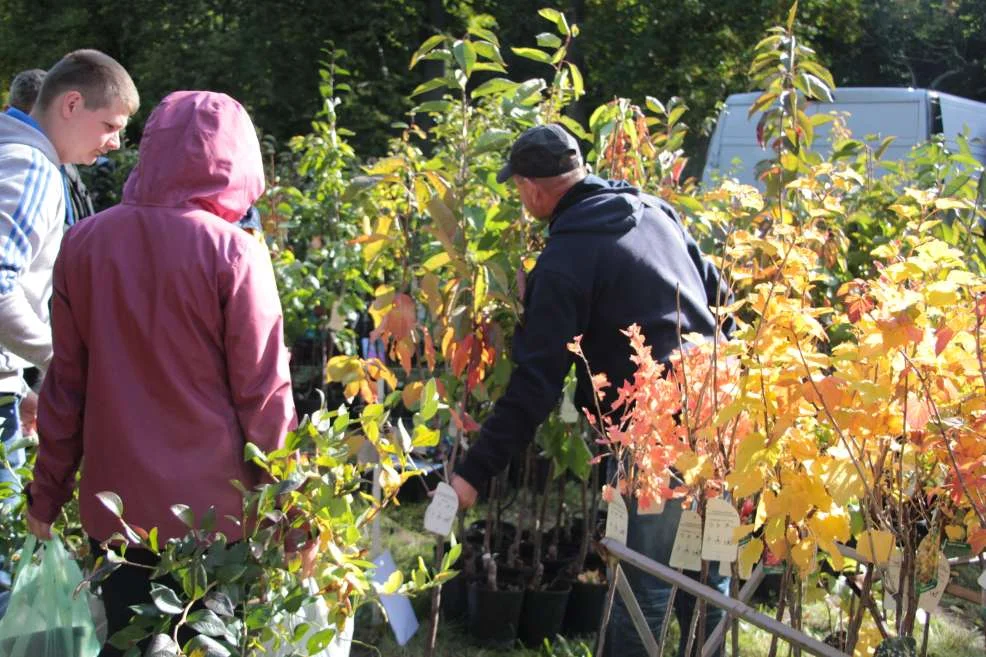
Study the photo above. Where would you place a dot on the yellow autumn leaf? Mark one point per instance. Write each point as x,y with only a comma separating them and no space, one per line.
372,249
803,555
749,556
741,532
693,468
955,532
875,546
744,484
942,293
827,528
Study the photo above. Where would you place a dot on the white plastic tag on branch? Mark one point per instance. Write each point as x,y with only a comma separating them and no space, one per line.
929,600
718,540
982,581
617,519
687,551
440,514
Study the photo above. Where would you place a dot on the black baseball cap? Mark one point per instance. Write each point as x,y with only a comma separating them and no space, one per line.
543,151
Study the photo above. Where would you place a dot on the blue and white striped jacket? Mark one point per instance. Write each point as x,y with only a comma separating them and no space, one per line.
32,216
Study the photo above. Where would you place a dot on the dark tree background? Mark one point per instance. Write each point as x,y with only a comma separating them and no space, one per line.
267,54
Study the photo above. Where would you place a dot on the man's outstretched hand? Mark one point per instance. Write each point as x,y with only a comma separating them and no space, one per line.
467,494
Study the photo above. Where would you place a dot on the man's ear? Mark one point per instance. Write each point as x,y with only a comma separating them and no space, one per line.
71,102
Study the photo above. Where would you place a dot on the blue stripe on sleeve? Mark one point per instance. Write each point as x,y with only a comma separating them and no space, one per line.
24,219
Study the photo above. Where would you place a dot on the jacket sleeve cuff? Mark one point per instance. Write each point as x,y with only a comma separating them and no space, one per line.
473,472
41,507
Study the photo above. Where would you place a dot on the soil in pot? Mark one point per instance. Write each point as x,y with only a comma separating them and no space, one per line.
494,615
543,613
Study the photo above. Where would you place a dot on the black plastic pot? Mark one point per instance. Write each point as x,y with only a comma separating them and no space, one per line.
542,615
585,609
494,615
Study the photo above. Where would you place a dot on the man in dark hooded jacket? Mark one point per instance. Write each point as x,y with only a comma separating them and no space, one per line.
614,257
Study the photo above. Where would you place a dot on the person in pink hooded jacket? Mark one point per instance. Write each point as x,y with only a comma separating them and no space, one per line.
169,351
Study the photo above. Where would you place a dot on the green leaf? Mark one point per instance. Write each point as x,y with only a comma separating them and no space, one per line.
882,148
425,437
492,140
557,18
393,583
465,55
166,600
193,581
320,640
575,127
430,44
430,85
185,514
436,261
253,453
161,645
548,40
791,15
205,621
578,84
112,502
484,34
206,646
437,106
494,86
220,604
533,54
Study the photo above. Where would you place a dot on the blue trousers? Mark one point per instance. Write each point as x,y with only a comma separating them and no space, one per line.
653,536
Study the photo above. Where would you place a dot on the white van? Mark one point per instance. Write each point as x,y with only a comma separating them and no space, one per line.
910,115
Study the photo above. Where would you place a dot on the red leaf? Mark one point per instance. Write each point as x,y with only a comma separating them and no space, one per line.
943,336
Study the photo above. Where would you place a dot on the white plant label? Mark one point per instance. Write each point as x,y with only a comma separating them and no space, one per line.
718,542
400,614
929,599
617,519
982,581
687,551
440,514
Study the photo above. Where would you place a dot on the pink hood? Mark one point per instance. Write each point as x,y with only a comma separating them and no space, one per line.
199,148
168,345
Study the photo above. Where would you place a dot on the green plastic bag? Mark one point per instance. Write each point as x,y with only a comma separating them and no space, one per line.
45,618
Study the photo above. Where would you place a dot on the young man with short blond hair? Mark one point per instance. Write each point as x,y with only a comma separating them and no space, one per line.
84,103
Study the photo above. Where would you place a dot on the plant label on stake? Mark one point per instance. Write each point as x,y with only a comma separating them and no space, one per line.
687,551
929,599
441,512
617,519
718,540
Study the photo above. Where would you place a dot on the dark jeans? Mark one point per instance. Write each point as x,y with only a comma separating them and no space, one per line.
653,536
128,586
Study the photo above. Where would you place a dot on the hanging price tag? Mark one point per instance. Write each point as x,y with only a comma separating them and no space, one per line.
440,514
929,599
617,519
687,551
718,541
